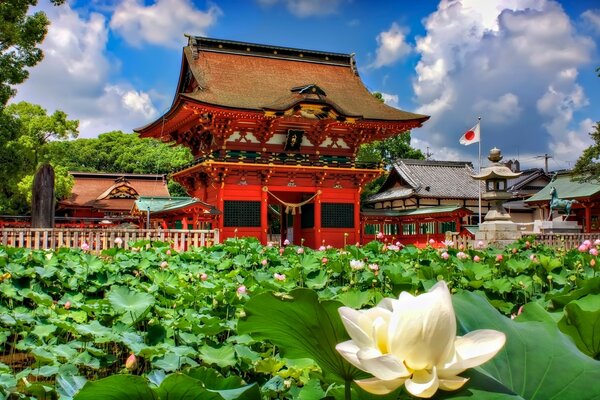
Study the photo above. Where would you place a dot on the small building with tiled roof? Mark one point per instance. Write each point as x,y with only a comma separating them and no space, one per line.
108,196
174,212
414,184
586,209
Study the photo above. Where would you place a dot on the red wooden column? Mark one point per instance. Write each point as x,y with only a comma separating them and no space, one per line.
356,216
264,220
318,236
221,207
588,218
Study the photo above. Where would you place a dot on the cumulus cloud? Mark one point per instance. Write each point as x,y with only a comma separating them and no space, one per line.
391,46
162,23
74,77
306,8
390,99
514,63
592,17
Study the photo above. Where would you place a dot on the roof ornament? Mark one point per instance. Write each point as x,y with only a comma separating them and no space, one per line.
309,89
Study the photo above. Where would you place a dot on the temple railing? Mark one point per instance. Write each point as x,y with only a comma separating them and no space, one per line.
253,157
101,239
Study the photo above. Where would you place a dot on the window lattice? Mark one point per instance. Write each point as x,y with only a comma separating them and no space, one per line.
409,229
447,226
241,213
337,215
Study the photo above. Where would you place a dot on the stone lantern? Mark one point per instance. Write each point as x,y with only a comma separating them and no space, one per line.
498,226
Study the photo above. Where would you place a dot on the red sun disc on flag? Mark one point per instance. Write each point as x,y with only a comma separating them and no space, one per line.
470,135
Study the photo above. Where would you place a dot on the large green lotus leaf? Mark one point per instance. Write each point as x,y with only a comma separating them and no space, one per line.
180,386
129,303
117,387
538,361
589,286
302,327
223,356
581,321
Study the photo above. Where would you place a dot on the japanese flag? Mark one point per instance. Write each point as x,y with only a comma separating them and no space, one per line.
471,136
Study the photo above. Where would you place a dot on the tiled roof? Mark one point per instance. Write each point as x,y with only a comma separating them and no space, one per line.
566,189
258,77
158,205
89,187
414,211
433,179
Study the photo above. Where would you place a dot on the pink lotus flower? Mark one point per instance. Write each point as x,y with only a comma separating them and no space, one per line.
445,255
324,260
597,242
164,265
85,246
241,290
398,244
533,258
431,242
322,248
270,245
476,259
300,250
499,258
357,265
587,243
374,267
286,242
279,277
329,247
461,255
583,248
131,362
203,277
67,305
264,262
379,235
448,243
594,251
393,247
118,241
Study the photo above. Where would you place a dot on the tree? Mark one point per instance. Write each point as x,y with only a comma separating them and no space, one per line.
20,34
588,165
26,130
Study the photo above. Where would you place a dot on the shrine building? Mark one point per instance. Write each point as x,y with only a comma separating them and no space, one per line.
275,132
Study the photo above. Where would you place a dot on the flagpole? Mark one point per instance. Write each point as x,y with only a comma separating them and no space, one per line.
479,172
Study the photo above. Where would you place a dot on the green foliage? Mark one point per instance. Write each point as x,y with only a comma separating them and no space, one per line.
587,166
20,33
74,317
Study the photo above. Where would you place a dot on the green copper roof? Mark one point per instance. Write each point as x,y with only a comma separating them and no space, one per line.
416,211
566,189
164,204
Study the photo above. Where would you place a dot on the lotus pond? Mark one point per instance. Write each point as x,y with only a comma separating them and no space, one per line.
244,321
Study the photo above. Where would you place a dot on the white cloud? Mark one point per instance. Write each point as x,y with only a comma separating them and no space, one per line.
162,23
390,99
392,46
74,76
592,17
306,8
514,63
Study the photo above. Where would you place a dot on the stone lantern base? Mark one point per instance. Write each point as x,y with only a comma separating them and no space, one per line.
498,233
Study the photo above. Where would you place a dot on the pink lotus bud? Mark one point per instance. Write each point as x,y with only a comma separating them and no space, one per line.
592,263
67,305
533,258
461,247
431,242
476,259
85,246
329,247
499,258
281,251
286,242
480,244
379,235
583,248
520,310
270,245
131,362
398,244
374,267
264,262
279,277
594,251
300,250
241,290
169,252
514,251
462,256
118,241
203,277
527,244
324,260
322,248
445,255
164,265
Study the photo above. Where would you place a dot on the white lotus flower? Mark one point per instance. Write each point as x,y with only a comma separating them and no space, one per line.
412,341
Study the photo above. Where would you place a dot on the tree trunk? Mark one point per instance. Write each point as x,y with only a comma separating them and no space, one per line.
42,201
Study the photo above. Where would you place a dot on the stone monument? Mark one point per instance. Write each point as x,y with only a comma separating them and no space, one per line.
498,227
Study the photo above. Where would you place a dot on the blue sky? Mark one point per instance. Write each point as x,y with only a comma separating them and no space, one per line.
527,67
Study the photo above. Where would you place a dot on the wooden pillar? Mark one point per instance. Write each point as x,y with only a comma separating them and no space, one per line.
318,236
221,207
184,223
357,216
458,221
264,212
588,218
